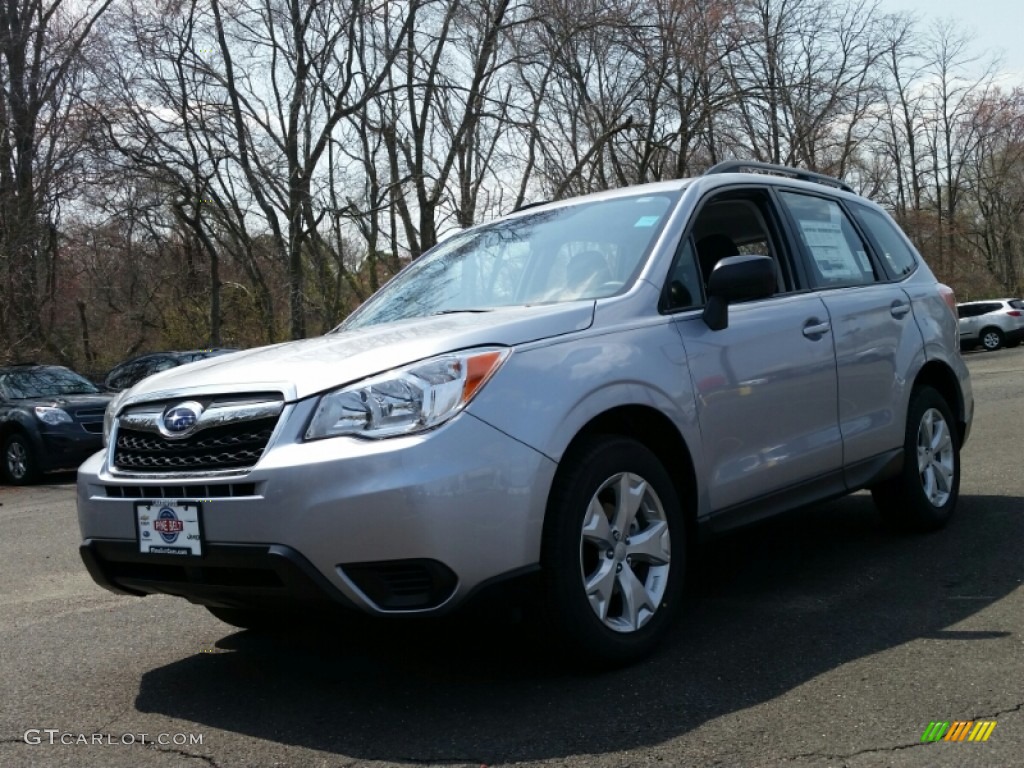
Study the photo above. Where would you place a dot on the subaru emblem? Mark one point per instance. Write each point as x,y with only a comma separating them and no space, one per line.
181,419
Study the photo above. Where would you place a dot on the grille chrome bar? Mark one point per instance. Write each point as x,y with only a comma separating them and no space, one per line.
145,418
229,437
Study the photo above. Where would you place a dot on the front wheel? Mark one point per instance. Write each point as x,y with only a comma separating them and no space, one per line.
614,551
19,466
923,496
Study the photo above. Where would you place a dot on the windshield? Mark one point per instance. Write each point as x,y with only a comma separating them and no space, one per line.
584,251
44,382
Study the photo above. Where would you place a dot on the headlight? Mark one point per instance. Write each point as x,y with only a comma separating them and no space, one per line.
408,399
49,414
110,413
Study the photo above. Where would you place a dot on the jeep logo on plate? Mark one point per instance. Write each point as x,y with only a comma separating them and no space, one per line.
181,419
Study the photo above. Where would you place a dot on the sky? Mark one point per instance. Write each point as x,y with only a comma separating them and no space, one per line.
997,25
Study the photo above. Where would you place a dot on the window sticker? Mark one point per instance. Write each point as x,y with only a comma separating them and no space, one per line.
646,221
831,252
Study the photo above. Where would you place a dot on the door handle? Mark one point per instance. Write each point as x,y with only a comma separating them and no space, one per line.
899,309
815,330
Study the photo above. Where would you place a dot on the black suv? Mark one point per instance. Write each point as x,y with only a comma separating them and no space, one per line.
50,418
131,372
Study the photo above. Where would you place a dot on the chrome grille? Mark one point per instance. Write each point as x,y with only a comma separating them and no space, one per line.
231,434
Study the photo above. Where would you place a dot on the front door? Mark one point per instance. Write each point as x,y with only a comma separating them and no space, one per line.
766,397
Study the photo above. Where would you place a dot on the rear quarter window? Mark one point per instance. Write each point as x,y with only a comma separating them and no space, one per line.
887,239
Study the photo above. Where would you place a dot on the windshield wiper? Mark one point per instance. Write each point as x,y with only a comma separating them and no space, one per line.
458,311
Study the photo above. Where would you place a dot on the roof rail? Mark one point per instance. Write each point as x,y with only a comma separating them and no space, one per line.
739,166
524,206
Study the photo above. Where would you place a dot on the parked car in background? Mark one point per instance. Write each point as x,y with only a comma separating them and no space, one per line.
556,401
50,418
131,372
991,324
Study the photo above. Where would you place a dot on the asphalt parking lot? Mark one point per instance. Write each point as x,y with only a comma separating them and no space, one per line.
818,639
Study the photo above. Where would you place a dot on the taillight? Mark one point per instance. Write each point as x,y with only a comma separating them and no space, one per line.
949,297
1013,313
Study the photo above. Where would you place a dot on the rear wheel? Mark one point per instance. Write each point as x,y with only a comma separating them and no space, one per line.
614,551
991,339
923,496
20,467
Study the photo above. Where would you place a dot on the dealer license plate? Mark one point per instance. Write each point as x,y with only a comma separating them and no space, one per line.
169,527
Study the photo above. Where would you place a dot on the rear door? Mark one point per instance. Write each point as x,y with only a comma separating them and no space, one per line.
876,338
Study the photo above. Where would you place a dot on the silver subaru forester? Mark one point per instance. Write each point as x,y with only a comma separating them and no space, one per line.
564,398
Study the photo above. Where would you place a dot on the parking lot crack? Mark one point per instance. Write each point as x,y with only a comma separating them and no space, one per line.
103,728
896,747
182,753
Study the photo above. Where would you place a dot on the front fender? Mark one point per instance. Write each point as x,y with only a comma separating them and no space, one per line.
547,392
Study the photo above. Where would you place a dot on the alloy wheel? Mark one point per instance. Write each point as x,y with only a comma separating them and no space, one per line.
991,341
935,457
17,460
625,552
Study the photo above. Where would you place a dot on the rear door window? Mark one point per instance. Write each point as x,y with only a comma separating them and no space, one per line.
838,255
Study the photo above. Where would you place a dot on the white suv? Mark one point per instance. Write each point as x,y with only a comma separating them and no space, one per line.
992,324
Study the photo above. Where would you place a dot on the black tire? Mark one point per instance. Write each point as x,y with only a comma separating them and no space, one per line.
19,460
609,465
991,339
904,499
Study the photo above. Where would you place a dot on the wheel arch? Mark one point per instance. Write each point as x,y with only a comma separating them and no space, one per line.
14,427
1001,333
941,378
654,430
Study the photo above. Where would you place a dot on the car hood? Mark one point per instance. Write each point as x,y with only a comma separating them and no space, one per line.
302,368
70,403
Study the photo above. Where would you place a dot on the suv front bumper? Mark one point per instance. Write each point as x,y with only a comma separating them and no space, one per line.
408,524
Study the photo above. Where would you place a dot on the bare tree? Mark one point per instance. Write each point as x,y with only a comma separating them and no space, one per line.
40,69
804,74
995,178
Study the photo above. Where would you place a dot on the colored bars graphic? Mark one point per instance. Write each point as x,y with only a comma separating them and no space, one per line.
958,730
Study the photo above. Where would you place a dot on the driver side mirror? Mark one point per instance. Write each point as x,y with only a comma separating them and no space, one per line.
737,278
